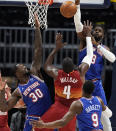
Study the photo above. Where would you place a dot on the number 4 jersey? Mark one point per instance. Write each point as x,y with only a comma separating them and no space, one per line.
68,86
90,117
36,96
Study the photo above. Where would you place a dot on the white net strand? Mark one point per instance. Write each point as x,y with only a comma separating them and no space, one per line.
40,10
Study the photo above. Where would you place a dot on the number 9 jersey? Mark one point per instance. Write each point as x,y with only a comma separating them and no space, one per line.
90,117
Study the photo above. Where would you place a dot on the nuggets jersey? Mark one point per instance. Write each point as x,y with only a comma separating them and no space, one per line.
36,96
90,117
68,86
95,69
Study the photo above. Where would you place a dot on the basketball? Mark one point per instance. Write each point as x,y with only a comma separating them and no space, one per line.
68,9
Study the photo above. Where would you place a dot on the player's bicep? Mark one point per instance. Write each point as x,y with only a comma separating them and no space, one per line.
15,96
74,109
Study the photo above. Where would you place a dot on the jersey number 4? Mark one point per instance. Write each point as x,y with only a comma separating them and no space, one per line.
95,120
36,95
67,91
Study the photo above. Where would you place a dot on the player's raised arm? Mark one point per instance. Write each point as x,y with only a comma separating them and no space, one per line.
74,109
77,18
48,66
37,59
79,26
86,62
4,104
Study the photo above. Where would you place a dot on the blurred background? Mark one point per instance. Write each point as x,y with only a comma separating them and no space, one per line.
16,39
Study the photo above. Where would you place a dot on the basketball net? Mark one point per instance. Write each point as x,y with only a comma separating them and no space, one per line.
40,8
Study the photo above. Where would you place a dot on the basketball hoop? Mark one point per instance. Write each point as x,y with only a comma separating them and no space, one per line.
40,8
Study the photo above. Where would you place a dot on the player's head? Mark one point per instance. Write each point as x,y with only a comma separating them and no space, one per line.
67,65
98,33
88,87
21,71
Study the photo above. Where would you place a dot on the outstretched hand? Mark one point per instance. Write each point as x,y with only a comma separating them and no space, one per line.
37,124
87,28
2,83
59,43
37,23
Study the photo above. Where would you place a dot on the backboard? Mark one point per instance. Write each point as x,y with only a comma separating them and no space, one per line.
87,4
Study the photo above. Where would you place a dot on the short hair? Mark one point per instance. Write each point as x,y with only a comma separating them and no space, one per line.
101,26
68,65
88,87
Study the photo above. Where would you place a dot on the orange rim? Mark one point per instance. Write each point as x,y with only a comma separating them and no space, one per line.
45,2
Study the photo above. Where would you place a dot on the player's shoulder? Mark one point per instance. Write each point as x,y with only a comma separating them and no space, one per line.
78,106
99,99
36,77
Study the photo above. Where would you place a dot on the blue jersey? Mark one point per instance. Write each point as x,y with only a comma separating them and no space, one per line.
90,117
36,96
95,69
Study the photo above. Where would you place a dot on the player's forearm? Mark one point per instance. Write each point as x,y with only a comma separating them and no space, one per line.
107,54
50,58
38,38
3,102
37,59
38,45
55,124
77,20
88,58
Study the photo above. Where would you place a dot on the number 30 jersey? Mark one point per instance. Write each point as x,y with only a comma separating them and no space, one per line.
36,96
90,117
68,86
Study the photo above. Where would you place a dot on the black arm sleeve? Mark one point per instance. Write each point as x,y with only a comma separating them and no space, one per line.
49,82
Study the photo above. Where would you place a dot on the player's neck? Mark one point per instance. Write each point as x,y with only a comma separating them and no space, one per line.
24,80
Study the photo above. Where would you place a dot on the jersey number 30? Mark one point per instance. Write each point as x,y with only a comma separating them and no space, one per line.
36,95
95,119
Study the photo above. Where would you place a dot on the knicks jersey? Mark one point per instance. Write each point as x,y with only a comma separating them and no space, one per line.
90,117
68,86
95,69
36,96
